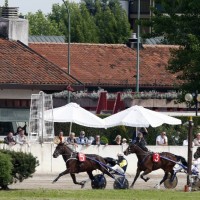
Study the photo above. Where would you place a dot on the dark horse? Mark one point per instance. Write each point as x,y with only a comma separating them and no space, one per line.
74,166
145,162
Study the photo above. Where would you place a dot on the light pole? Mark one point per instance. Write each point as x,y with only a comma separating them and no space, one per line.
190,97
69,40
138,49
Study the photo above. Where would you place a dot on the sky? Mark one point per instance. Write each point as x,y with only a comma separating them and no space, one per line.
33,6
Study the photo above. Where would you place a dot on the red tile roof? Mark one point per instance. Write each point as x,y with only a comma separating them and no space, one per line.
111,64
20,65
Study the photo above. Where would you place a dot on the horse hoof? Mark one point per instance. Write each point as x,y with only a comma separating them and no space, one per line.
147,179
83,184
157,186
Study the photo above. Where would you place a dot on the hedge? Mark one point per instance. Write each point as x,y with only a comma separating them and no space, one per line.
5,170
23,165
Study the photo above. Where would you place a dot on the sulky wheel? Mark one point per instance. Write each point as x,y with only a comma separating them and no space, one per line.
171,184
121,183
99,182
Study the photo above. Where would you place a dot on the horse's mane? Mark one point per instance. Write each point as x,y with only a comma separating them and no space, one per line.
137,146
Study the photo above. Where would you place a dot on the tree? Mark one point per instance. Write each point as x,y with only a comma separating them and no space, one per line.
39,24
90,21
179,22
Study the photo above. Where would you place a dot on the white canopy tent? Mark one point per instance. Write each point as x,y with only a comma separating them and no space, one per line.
73,113
138,116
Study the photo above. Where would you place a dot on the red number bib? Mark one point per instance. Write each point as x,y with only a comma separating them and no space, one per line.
81,157
156,157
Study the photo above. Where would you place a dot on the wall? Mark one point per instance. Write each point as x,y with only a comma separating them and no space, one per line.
48,164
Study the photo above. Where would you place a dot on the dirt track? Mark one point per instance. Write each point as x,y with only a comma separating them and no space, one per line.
41,181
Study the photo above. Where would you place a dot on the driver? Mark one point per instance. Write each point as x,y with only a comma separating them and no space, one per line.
121,164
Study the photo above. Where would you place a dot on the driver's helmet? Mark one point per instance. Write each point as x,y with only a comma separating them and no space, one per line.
120,155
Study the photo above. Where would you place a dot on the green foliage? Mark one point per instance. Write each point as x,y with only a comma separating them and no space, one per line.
40,25
179,23
5,170
24,164
90,22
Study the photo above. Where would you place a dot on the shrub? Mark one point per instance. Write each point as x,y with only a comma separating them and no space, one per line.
24,164
5,170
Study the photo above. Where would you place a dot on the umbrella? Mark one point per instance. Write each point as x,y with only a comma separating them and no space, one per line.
73,113
138,116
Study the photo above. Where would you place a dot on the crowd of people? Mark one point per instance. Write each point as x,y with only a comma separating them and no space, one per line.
20,137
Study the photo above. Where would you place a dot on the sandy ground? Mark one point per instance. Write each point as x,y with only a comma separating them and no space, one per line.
44,181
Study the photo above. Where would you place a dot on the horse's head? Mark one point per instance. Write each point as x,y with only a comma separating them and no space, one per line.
60,150
197,153
131,149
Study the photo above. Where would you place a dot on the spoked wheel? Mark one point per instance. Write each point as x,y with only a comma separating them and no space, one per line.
99,182
121,183
171,184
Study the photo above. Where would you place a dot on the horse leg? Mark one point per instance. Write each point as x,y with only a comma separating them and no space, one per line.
82,183
163,180
61,174
136,176
147,171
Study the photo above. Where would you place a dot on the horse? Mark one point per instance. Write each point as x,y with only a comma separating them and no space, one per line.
165,161
74,166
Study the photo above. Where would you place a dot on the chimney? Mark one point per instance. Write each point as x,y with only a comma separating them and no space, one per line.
11,26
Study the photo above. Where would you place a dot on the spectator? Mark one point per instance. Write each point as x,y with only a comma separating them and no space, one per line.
19,128
117,140
71,139
82,139
9,139
90,140
162,139
140,141
142,130
97,141
21,138
61,136
197,140
124,141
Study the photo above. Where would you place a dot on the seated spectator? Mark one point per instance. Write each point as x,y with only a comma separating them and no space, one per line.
140,141
97,141
197,140
90,140
162,139
117,140
142,130
9,139
18,129
82,139
71,139
124,141
61,136
21,138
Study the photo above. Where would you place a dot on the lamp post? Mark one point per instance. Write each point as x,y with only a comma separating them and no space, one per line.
69,40
138,49
190,97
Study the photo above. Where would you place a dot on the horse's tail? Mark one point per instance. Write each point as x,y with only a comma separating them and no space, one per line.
182,159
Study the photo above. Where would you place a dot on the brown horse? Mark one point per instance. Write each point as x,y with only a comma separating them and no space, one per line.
74,166
146,164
